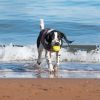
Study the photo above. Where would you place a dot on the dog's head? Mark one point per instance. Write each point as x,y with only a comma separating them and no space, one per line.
55,38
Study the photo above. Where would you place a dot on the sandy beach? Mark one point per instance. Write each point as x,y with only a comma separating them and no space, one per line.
49,89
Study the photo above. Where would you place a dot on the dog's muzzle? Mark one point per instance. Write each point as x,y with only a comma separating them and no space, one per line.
57,44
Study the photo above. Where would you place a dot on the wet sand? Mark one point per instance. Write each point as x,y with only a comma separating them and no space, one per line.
49,89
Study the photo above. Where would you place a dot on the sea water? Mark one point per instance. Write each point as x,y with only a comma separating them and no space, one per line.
19,25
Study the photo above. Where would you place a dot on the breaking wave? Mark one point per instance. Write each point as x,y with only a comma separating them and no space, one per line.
15,53
82,56
29,53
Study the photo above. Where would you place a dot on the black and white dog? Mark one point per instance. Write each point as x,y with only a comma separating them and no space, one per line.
46,39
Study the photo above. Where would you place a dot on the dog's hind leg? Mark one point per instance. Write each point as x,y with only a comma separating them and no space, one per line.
49,62
40,50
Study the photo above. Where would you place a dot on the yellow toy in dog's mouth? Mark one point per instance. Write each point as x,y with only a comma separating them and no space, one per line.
56,48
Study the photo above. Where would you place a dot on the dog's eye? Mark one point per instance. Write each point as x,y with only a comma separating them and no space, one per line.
52,37
59,37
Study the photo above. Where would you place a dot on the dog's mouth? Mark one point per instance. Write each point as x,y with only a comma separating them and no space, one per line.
56,44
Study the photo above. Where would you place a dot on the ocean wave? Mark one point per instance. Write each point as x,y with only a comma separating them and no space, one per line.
92,56
15,53
29,53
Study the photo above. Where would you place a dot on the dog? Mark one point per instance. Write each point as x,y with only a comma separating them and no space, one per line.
46,40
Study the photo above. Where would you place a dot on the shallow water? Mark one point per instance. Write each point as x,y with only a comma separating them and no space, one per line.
66,70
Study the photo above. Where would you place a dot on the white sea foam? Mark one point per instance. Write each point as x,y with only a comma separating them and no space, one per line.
81,56
10,53
29,53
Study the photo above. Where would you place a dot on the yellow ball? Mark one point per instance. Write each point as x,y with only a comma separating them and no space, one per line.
56,48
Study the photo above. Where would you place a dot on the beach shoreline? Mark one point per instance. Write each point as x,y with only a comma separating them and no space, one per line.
47,89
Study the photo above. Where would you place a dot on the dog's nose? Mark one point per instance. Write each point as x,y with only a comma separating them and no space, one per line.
57,43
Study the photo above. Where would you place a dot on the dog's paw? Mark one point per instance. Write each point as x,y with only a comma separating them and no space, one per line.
36,66
55,67
51,69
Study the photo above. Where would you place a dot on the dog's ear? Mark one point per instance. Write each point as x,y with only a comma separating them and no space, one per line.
65,38
48,38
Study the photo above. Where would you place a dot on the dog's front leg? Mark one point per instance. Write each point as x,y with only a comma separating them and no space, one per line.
57,61
49,62
57,58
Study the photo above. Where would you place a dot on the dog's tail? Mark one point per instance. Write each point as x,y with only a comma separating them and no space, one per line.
68,41
41,24
65,38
